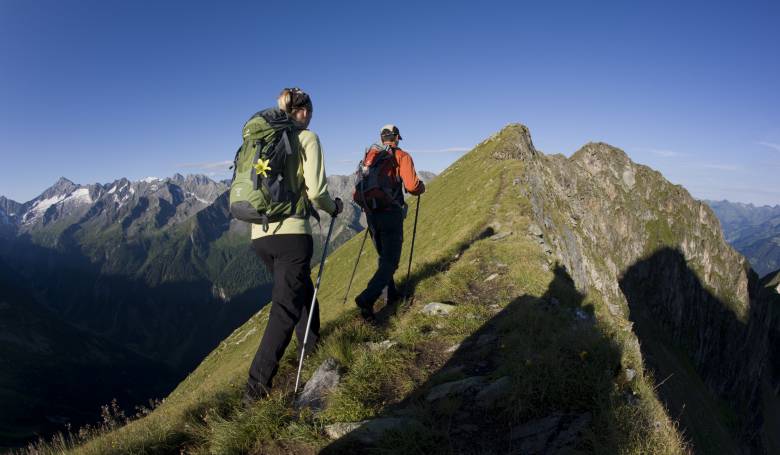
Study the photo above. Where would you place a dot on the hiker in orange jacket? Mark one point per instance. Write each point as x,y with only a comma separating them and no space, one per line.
385,209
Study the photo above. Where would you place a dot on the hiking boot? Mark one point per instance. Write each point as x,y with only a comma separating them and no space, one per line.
366,311
253,395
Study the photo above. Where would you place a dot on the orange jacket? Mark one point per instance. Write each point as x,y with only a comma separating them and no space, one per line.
405,170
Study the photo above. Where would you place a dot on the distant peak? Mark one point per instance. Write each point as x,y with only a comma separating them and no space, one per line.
514,142
198,178
600,151
64,181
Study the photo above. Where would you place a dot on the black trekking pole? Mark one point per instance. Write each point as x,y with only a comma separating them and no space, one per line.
411,251
360,251
314,301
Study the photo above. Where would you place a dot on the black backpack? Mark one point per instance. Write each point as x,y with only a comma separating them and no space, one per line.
377,185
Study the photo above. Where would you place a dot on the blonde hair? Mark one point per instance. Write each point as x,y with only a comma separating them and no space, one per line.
292,99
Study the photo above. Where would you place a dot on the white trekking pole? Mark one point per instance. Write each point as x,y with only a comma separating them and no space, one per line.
313,301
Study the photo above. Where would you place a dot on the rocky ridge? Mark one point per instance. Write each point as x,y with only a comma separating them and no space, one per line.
646,245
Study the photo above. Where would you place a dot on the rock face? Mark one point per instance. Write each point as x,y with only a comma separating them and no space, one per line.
552,434
516,144
649,248
324,380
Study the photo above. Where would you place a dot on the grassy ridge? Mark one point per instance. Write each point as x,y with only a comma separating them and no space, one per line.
557,361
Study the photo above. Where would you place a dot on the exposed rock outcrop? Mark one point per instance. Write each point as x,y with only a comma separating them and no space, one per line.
647,246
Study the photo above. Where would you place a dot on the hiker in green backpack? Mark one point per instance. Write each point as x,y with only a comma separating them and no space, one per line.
283,239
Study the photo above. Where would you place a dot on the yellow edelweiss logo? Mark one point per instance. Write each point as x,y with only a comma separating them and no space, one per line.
262,167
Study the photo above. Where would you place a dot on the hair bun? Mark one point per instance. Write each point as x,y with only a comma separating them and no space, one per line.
293,98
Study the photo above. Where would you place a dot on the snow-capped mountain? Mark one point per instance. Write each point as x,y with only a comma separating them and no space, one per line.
135,204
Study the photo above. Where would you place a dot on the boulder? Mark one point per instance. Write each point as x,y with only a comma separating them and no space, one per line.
489,396
324,380
437,309
369,431
455,387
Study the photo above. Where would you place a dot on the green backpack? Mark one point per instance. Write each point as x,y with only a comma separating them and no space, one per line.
266,187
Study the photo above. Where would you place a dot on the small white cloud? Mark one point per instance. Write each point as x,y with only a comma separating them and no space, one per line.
771,145
721,167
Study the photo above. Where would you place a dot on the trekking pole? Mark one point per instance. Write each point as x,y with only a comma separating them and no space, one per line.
411,251
360,251
313,301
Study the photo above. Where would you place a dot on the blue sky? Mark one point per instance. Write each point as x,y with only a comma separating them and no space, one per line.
97,90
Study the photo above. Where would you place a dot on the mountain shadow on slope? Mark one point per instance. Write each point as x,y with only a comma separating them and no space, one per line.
559,369
110,336
710,366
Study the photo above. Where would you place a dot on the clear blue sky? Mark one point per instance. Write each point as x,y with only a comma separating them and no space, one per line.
97,90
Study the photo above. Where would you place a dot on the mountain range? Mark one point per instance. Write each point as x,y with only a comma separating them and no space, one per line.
149,275
753,230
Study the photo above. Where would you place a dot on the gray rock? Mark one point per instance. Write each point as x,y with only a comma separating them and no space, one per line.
630,374
455,387
339,429
324,380
369,431
535,426
453,348
381,346
490,395
535,230
570,434
536,433
437,309
492,277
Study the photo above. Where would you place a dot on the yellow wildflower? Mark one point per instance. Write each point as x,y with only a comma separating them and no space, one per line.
262,167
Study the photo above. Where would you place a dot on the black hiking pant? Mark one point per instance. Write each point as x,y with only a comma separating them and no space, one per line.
287,257
387,232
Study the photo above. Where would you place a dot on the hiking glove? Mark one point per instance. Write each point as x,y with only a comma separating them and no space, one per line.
339,207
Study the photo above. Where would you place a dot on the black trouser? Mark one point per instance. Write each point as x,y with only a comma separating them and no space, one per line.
387,231
287,257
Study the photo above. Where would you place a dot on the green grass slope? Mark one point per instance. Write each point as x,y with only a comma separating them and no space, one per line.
517,316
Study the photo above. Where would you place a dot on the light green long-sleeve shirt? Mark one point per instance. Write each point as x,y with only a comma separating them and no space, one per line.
313,169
